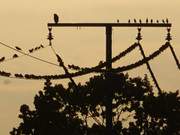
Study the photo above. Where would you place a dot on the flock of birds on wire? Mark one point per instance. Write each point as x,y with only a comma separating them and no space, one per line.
79,71
2,59
98,68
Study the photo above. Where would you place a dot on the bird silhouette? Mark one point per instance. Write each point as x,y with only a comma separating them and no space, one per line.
100,62
134,20
2,59
129,21
157,21
36,48
140,21
15,56
31,50
117,20
41,46
163,21
167,21
18,48
151,20
56,18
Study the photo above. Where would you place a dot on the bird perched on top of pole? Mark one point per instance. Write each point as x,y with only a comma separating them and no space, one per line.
56,18
167,21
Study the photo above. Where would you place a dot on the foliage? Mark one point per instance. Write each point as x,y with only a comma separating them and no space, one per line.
81,109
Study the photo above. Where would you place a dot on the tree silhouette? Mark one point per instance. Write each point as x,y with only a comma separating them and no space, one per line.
80,110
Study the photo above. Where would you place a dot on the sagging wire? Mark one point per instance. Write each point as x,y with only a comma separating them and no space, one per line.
103,64
27,54
99,67
90,70
3,59
143,61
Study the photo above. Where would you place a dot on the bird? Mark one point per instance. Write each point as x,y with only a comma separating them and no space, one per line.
157,21
129,21
134,20
41,46
167,21
100,62
18,48
163,21
15,56
2,59
56,18
36,48
151,20
31,50
117,20
146,20
140,21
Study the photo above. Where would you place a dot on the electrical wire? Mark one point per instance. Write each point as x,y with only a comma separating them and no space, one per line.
114,59
10,59
61,63
150,70
39,59
91,70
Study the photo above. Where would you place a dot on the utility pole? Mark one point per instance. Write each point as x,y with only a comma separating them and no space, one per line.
109,95
108,29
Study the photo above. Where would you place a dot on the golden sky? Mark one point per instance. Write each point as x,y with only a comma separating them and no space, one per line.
24,24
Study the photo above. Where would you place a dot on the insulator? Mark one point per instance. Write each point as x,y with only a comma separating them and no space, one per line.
50,37
139,37
168,38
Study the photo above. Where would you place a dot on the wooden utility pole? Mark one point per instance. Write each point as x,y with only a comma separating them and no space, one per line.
108,28
109,95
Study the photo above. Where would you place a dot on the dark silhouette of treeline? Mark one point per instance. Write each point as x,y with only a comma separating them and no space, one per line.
80,109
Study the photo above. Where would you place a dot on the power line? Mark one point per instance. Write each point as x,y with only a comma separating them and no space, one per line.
114,59
39,59
90,70
150,70
61,63
13,58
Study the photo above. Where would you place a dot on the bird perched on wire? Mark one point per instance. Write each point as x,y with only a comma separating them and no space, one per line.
56,18
134,20
129,21
2,59
117,20
18,48
41,46
31,50
146,20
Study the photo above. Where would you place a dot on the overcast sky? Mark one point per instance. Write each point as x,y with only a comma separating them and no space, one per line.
24,24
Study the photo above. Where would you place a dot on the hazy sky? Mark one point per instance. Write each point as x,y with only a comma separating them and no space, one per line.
24,24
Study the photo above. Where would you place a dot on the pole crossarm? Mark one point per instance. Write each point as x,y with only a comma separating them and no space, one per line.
109,24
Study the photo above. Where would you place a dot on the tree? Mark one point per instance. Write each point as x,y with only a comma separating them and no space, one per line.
80,110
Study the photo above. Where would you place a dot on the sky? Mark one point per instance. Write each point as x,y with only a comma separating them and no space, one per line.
24,24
